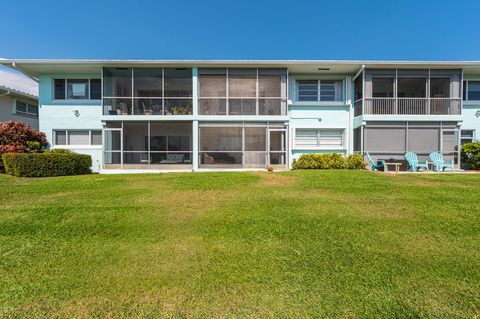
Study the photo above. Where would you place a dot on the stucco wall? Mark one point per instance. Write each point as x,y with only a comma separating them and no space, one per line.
470,119
320,117
7,111
58,117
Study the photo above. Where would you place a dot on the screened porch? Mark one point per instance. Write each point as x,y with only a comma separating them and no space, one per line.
148,145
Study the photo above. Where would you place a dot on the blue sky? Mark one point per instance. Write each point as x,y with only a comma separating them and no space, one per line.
242,29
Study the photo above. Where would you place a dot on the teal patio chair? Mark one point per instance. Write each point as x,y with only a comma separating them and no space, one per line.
375,165
438,163
413,162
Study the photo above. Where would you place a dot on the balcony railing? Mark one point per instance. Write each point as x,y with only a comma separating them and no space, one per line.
408,106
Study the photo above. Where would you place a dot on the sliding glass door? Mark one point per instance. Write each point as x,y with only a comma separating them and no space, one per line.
242,145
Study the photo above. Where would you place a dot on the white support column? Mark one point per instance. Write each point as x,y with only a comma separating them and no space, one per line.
195,145
195,137
348,138
459,147
195,91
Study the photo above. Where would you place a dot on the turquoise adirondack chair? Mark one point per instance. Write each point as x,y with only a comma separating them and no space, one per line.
413,162
373,164
438,163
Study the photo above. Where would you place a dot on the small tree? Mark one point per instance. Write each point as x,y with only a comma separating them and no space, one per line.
18,137
471,155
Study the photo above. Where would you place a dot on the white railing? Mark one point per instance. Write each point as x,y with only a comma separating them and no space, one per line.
412,106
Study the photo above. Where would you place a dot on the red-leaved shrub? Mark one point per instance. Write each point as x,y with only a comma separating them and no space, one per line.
18,137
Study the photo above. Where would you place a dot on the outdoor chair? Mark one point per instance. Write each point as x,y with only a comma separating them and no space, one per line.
413,162
438,163
375,165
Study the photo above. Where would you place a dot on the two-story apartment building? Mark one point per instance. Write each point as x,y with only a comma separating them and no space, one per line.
152,115
18,97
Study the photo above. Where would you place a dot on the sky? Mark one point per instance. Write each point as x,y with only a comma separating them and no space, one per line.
241,29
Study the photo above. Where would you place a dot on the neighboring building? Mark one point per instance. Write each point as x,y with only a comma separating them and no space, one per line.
18,97
135,115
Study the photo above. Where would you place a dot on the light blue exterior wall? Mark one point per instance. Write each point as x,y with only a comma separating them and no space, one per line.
320,115
471,119
61,115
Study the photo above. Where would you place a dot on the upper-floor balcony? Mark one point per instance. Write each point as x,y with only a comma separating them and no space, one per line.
408,92
408,106
187,91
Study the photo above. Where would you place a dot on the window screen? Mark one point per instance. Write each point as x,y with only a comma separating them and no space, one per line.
78,138
21,107
60,137
96,138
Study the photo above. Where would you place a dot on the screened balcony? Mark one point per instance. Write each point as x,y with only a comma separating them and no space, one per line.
142,91
242,91
408,92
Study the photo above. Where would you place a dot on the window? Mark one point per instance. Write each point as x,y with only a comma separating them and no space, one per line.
471,90
77,137
96,138
314,139
77,89
467,136
95,89
319,90
25,108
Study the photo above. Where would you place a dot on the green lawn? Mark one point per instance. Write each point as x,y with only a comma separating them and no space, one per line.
293,244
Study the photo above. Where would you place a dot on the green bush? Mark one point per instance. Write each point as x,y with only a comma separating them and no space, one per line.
329,161
59,151
46,164
355,161
471,155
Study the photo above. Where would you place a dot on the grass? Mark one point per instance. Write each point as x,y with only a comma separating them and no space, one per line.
293,244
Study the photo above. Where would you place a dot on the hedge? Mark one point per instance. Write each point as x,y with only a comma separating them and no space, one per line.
329,161
46,164
471,155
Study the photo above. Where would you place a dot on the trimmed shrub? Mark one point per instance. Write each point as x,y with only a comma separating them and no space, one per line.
46,164
355,161
329,161
471,155
59,151
18,137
